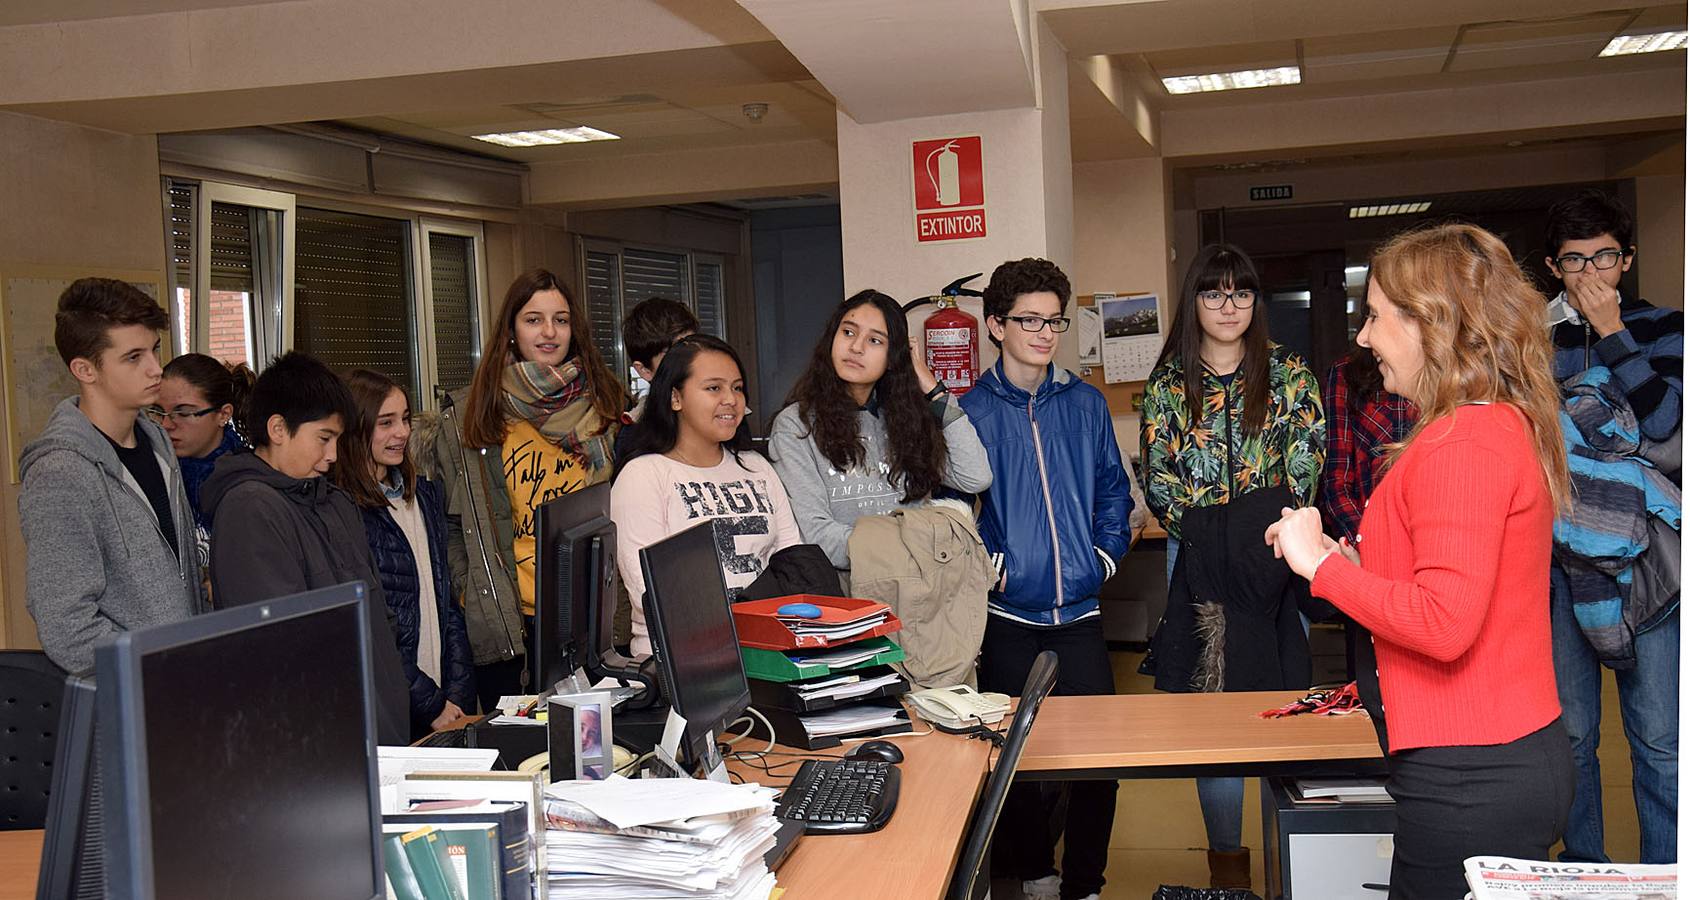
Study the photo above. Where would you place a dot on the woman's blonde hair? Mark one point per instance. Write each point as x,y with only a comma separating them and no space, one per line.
1482,332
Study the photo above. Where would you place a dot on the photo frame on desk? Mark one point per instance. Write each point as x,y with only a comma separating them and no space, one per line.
35,378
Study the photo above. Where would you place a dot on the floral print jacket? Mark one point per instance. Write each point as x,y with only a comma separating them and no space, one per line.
1189,464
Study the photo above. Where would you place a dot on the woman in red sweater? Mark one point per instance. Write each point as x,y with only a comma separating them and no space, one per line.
1452,576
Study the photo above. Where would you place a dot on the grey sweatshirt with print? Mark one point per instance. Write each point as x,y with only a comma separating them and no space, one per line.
827,502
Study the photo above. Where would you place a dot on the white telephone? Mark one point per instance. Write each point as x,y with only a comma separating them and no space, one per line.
960,706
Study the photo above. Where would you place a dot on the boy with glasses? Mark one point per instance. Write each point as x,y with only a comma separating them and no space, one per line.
1642,349
1056,523
104,512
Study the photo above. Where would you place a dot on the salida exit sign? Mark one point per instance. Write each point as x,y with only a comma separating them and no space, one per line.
950,190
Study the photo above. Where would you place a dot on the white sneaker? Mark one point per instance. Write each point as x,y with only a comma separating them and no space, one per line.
1091,897
1046,888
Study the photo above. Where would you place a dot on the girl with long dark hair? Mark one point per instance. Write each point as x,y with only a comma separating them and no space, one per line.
1227,414
405,523
868,429
536,422
689,459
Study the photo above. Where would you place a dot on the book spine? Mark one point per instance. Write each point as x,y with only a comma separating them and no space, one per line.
427,854
399,873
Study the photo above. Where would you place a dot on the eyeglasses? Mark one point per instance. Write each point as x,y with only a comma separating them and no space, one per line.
1037,323
1217,299
179,415
1603,260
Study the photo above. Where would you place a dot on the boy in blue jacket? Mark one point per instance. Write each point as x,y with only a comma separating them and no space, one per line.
1055,522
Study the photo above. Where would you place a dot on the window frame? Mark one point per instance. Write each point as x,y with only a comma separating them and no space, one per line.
272,327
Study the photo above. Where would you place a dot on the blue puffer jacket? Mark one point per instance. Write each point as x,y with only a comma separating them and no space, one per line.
1055,517
398,569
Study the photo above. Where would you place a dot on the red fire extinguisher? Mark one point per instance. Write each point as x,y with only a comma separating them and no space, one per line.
950,338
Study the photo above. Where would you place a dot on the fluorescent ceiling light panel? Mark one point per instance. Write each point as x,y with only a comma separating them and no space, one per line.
1627,44
1233,81
1389,209
576,135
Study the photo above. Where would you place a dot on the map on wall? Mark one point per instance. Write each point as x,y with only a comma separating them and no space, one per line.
36,379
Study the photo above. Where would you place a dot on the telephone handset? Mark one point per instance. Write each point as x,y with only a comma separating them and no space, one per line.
960,706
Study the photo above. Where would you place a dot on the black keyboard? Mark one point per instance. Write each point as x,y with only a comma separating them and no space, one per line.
841,796
457,737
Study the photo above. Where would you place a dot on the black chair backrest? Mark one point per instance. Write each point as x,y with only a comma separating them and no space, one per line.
1040,679
30,690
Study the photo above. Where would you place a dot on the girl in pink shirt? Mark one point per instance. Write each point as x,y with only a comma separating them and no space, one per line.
690,459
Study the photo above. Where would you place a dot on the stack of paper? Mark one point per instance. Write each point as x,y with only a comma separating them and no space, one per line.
658,838
1343,790
852,719
835,631
844,686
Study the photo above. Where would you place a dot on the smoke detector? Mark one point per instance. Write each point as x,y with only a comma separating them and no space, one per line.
755,112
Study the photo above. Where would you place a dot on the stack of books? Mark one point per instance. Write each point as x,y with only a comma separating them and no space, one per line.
659,838
822,678
455,830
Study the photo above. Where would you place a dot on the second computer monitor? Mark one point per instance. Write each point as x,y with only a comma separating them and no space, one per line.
693,632
574,585
237,753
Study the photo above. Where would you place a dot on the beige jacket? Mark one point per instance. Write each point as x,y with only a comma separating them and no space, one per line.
929,565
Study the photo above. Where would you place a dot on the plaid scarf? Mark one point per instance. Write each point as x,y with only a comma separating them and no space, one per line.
555,400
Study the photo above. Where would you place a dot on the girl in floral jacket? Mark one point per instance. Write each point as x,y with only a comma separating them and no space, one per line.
1226,412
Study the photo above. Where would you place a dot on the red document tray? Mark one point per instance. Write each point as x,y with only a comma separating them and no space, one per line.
759,626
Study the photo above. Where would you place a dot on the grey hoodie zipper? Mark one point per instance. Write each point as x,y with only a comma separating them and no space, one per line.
1050,509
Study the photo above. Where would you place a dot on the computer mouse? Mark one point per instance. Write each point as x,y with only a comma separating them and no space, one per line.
885,750
801,610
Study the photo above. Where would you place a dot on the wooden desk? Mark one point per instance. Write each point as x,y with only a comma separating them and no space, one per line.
912,857
20,863
1189,735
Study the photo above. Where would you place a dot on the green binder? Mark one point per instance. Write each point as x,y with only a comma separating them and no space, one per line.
427,852
398,865
790,665
474,852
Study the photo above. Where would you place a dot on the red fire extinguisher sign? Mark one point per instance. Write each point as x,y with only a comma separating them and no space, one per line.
951,342
950,192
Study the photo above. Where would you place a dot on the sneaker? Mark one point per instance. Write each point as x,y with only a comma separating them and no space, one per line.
1091,897
1046,888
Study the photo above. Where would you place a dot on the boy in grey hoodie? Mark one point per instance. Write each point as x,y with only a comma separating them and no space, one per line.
104,511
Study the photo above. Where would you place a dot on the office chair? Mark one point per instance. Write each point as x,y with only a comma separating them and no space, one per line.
31,687
966,883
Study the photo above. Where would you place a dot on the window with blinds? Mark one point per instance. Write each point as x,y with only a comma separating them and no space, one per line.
352,294
179,226
707,297
617,277
604,305
451,274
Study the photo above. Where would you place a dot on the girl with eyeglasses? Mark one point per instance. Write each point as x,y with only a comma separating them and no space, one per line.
1232,427
200,401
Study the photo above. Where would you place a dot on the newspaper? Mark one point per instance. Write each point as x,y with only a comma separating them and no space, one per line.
1501,878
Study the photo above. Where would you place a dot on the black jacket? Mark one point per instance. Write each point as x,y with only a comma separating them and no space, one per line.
798,569
396,565
1232,621
272,536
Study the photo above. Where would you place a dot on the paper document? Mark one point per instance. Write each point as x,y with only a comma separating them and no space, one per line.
854,688
627,802
835,659
1499,878
852,719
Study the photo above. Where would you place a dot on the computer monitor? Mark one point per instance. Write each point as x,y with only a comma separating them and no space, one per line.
238,754
574,588
696,644
73,849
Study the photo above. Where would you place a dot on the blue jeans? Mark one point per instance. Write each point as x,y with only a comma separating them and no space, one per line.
1649,711
1221,799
